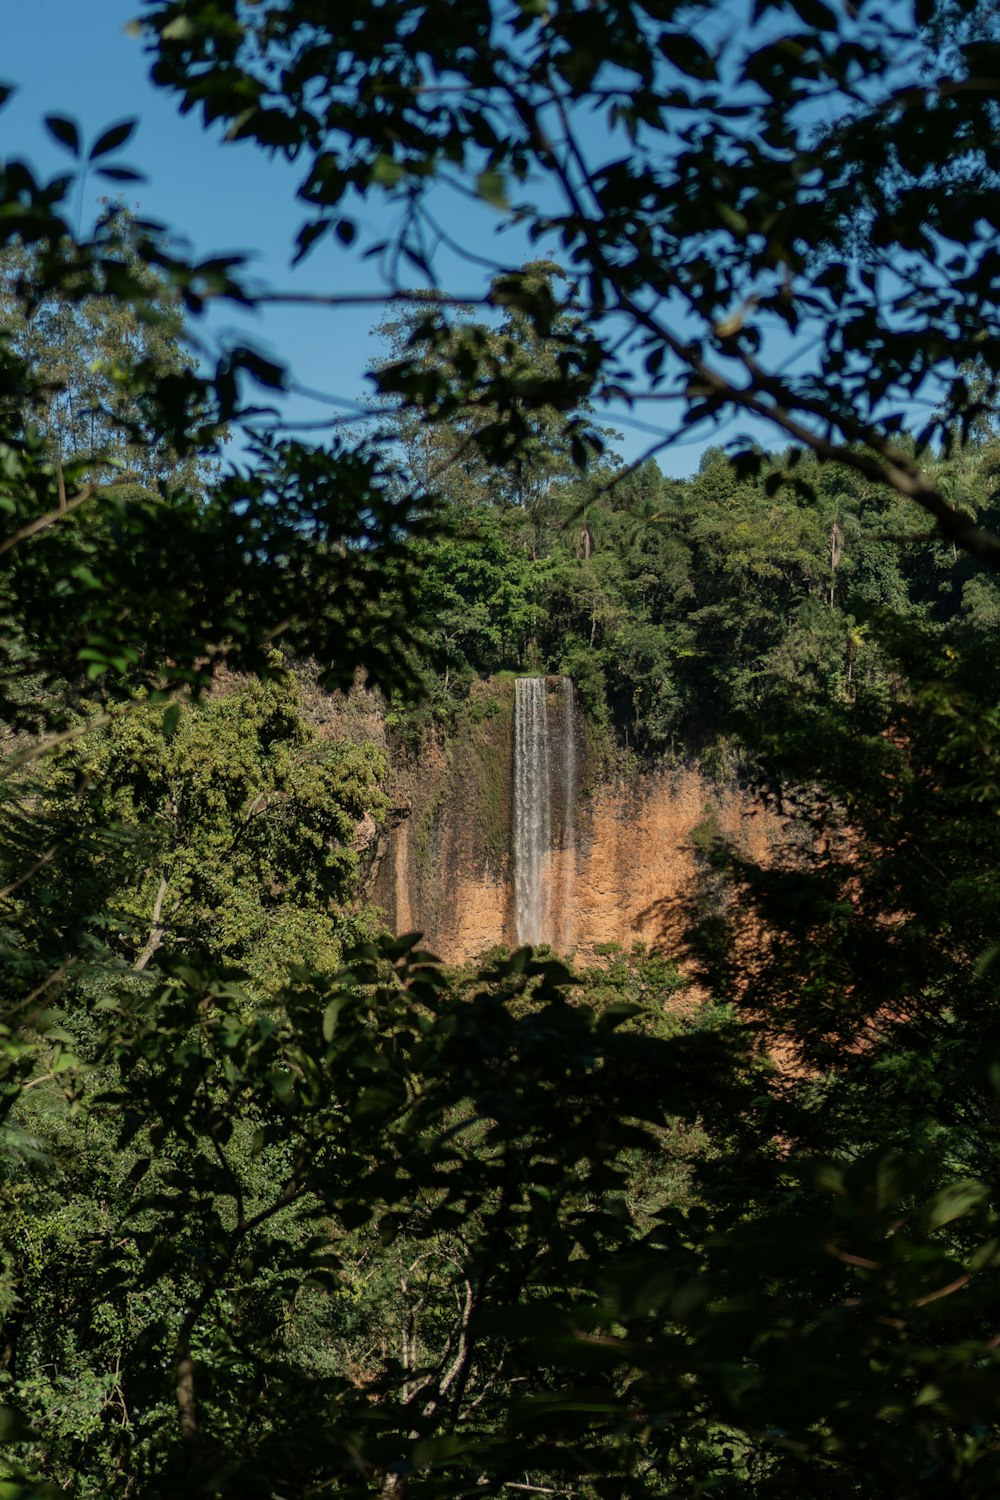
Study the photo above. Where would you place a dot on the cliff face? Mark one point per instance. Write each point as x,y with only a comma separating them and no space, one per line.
622,847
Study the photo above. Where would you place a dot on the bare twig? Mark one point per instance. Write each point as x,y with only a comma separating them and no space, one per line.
40,523
46,857
43,747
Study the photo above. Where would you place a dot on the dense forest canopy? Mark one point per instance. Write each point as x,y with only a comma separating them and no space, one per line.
288,1207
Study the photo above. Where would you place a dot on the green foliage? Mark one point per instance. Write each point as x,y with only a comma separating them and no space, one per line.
354,1224
481,589
235,828
472,404
262,1156
695,602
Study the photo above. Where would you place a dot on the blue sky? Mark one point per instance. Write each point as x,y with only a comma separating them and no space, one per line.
75,58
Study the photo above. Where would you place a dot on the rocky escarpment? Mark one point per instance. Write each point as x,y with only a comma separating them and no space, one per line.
623,843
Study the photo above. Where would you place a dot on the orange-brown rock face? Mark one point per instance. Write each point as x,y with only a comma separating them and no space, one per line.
636,853
633,857
621,847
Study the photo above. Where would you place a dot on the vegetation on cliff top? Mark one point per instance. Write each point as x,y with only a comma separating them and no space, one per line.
697,605
288,1213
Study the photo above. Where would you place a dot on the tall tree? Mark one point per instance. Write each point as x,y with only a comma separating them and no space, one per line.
94,359
440,388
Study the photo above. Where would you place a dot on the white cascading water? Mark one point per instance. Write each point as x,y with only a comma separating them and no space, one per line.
532,800
567,935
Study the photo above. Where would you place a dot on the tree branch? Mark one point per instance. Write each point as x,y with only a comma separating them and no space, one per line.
40,523
156,928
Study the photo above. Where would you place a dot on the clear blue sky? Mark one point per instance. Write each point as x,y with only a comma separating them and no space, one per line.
74,57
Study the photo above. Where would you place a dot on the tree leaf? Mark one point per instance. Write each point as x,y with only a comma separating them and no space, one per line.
120,174
65,132
954,1202
112,138
491,188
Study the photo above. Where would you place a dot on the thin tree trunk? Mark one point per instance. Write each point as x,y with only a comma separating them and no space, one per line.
156,930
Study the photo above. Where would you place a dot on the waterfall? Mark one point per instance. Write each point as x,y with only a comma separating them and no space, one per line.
544,811
567,931
532,801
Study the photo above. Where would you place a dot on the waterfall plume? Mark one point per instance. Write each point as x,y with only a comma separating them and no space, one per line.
532,801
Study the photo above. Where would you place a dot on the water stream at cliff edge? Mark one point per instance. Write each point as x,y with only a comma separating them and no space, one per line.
532,798
567,931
